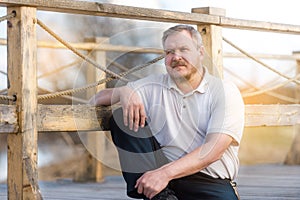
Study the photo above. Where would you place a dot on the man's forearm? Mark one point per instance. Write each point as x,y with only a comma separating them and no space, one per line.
211,151
106,97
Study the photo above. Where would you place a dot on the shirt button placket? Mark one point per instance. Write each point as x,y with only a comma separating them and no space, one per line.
184,104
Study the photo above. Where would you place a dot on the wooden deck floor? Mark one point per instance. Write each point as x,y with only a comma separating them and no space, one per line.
259,182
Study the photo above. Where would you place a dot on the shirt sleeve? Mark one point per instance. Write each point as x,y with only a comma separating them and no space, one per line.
227,112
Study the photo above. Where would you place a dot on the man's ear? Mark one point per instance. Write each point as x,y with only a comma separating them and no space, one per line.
202,50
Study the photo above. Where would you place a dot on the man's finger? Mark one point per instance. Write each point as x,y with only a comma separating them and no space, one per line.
140,189
136,119
142,117
125,116
130,117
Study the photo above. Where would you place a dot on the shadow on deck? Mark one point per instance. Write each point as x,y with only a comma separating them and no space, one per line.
259,182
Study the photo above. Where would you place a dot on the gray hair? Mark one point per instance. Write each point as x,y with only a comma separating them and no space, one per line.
193,32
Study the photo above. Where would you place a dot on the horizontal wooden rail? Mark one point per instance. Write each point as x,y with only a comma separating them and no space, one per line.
89,46
262,56
272,115
72,118
87,118
110,10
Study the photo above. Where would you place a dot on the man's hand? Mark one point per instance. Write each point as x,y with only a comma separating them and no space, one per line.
133,108
152,182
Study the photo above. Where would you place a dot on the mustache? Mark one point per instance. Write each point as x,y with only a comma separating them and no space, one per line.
177,63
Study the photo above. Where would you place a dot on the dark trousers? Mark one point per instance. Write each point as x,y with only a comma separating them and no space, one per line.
140,152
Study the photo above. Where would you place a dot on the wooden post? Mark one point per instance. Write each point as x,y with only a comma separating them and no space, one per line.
297,89
92,168
293,156
22,82
212,41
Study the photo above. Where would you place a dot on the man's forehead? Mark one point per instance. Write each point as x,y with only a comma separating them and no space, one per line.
179,38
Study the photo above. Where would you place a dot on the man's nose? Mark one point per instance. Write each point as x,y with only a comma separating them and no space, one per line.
177,55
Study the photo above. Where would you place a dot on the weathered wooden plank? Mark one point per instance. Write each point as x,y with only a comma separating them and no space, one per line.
22,69
262,56
88,46
259,25
272,115
83,117
88,118
110,10
72,118
139,49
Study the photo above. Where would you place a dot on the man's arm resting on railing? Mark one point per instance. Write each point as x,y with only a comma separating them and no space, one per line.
133,107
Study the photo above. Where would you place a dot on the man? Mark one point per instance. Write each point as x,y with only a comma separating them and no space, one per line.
178,133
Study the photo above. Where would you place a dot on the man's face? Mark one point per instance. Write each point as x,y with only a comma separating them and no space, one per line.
183,59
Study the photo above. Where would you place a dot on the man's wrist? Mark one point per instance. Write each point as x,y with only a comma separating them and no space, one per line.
168,172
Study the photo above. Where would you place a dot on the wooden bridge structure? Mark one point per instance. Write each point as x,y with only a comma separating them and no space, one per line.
23,118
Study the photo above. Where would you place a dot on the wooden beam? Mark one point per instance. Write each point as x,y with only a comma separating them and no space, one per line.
262,56
259,25
72,118
88,46
110,10
272,115
212,42
22,176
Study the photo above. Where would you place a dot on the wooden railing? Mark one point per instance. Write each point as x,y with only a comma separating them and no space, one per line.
24,118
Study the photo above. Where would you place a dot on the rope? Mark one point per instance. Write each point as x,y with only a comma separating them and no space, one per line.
79,100
279,96
260,62
10,98
105,80
119,66
266,84
271,88
2,72
66,44
9,16
143,65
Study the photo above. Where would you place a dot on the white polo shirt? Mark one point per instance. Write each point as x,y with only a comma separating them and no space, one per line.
180,122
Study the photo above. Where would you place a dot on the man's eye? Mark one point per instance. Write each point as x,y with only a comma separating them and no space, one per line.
184,49
168,52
